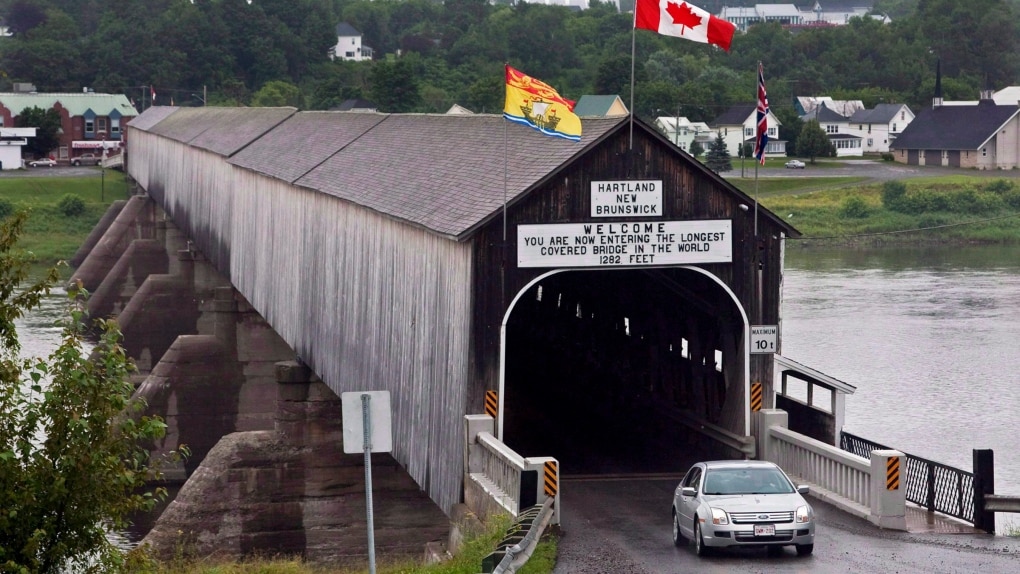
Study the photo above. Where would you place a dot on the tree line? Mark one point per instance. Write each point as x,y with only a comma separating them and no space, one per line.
430,55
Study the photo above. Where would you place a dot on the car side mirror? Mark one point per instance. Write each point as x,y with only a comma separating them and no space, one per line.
803,488
688,491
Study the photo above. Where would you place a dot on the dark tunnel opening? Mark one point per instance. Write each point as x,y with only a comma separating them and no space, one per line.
597,360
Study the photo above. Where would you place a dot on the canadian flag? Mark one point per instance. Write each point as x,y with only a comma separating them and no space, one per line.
683,20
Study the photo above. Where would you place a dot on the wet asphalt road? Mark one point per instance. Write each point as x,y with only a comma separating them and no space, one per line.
623,527
56,171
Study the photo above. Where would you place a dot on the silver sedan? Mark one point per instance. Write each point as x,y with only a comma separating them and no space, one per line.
741,503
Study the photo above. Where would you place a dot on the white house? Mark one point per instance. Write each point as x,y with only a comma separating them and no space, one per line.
837,127
879,127
348,44
682,132
736,126
11,142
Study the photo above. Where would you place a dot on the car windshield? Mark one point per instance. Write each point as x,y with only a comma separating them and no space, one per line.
746,481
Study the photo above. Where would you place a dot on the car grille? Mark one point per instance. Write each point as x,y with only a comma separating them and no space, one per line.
750,537
761,517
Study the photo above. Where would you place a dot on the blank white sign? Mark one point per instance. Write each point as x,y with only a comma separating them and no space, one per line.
381,437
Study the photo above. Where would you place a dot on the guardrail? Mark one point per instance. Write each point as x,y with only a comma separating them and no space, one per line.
866,488
520,541
945,489
740,443
497,479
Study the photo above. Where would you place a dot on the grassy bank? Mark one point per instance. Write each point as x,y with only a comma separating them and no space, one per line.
958,209
50,233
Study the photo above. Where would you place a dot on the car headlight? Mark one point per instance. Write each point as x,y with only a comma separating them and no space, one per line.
719,516
803,514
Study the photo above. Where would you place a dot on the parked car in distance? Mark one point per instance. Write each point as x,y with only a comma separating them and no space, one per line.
794,164
86,159
749,503
43,162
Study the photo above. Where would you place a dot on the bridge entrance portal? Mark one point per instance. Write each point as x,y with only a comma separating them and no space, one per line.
599,365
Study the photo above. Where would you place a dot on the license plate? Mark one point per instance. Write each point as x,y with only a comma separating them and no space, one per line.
764,529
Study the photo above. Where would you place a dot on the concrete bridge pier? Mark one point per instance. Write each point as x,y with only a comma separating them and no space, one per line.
293,491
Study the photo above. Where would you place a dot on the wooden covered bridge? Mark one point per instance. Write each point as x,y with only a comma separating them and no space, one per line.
601,288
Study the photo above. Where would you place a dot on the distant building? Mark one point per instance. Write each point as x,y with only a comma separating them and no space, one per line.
737,126
804,105
880,127
837,128
984,135
11,142
89,122
458,110
348,45
356,105
600,106
683,132
827,13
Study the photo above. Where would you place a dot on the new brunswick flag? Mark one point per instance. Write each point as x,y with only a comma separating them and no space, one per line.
533,103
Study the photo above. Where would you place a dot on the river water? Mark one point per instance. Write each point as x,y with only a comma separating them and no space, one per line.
929,336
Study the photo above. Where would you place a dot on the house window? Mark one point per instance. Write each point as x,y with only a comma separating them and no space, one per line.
90,126
101,125
984,152
115,127
870,142
903,116
748,131
894,127
772,132
349,54
831,129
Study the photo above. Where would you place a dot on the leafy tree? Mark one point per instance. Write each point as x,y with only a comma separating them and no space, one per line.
277,94
696,149
394,86
71,463
812,141
46,123
23,16
718,158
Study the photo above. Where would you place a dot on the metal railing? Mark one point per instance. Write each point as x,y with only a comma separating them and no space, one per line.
935,486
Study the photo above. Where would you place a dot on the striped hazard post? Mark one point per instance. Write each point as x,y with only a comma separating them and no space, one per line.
755,397
892,473
491,403
551,479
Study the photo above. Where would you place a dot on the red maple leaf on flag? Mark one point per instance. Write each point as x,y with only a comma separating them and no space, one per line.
683,15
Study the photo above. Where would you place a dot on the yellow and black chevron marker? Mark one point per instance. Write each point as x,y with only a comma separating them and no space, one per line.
551,479
755,397
892,473
491,403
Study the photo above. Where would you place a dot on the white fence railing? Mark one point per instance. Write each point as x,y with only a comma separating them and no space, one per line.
499,479
869,489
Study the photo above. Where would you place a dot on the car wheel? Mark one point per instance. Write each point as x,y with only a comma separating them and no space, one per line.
75,163
678,535
805,549
699,541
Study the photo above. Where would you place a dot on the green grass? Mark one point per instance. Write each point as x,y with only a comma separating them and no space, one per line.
771,186
468,561
49,234
820,216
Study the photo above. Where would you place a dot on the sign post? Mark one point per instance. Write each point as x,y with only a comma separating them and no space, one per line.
360,435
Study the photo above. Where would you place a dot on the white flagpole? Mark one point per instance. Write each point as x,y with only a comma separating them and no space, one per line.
633,44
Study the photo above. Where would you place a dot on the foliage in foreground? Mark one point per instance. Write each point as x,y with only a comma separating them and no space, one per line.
467,561
71,460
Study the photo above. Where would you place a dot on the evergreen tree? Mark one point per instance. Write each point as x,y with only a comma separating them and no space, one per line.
696,149
718,158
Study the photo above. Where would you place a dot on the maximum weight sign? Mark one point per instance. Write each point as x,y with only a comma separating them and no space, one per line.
764,339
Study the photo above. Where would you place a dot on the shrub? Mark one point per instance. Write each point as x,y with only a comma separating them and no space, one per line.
893,195
71,205
932,220
854,207
1012,198
6,207
971,201
1000,186
886,156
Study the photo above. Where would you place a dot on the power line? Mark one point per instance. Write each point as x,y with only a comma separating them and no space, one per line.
915,230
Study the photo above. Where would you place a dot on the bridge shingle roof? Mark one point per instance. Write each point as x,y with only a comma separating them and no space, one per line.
223,131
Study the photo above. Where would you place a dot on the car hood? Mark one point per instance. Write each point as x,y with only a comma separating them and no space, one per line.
756,502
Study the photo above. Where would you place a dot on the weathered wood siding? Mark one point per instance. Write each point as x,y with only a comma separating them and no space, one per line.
369,303
690,193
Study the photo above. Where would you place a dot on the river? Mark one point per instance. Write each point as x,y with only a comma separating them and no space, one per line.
929,336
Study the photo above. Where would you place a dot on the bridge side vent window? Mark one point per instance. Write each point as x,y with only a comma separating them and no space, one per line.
718,361
821,398
626,326
579,314
538,293
796,389
684,351
559,301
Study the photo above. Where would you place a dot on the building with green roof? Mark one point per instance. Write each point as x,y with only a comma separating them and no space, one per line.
89,121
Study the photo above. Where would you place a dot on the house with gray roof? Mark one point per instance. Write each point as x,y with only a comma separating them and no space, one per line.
981,136
880,126
837,128
89,121
348,44
736,126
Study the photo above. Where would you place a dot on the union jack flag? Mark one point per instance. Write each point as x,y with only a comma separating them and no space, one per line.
761,125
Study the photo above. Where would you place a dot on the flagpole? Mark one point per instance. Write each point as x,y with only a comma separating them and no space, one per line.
633,44
502,267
